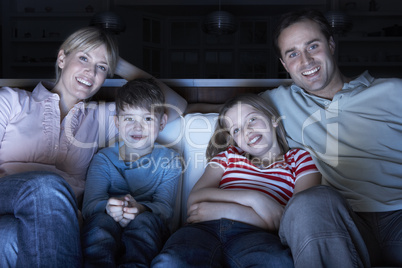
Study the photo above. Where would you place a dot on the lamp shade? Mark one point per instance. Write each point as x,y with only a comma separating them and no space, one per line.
339,21
108,20
219,23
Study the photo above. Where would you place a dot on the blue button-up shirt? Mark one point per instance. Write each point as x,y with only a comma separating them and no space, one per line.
355,138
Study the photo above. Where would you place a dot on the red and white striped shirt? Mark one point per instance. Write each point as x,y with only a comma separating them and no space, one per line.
277,180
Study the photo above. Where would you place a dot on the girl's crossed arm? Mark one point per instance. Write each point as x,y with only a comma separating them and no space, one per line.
206,202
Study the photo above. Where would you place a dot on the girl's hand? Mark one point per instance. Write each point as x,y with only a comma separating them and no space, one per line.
206,211
268,209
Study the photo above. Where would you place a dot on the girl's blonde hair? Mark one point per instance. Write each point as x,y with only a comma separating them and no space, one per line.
222,139
87,39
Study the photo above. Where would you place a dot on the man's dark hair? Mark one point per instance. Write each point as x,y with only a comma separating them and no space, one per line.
292,17
140,93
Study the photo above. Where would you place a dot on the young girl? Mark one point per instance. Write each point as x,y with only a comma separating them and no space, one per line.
235,208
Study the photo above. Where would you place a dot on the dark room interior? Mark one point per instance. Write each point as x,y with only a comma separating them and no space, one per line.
169,40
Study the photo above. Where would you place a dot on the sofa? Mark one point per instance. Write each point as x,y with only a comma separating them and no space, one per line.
189,134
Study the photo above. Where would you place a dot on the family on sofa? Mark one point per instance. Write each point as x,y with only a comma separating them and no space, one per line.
323,192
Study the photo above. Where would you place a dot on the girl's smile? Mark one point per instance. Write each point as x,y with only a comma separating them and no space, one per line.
252,131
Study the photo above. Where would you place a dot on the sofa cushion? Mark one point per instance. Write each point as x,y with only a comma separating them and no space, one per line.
172,137
197,133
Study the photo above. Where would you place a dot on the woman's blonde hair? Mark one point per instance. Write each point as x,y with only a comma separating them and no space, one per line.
89,38
222,139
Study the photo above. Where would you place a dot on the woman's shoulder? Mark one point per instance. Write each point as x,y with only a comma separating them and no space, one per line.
14,92
14,99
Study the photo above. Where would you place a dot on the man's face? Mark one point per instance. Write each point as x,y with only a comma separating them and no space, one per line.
308,57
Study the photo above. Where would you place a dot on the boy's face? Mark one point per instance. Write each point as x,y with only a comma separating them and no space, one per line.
139,128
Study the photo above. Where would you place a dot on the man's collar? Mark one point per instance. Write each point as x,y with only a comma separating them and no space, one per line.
364,79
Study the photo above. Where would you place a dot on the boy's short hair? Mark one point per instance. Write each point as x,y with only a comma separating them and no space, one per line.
141,93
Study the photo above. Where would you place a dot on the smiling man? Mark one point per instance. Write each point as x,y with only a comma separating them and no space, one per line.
352,128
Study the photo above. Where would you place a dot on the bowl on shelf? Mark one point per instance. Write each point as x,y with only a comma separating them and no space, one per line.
394,30
29,9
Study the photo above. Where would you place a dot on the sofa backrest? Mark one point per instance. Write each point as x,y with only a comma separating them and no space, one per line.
198,131
189,135
172,137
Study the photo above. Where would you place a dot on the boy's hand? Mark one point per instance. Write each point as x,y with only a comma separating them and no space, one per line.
130,210
114,208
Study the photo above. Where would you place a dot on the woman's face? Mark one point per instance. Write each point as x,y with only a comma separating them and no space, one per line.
83,73
252,131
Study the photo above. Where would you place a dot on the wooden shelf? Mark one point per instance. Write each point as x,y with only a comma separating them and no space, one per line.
373,64
371,39
375,14
47,15
36,40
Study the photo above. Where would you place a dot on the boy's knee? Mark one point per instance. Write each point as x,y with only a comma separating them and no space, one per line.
149,219
166,259
99,222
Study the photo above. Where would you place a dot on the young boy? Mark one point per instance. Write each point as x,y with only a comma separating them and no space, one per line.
131,188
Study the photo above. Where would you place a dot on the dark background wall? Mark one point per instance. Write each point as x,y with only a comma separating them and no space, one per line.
165,37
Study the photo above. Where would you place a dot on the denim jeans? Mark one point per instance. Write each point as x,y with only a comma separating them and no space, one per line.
9,240
223,243
38,221
322,230
107,244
